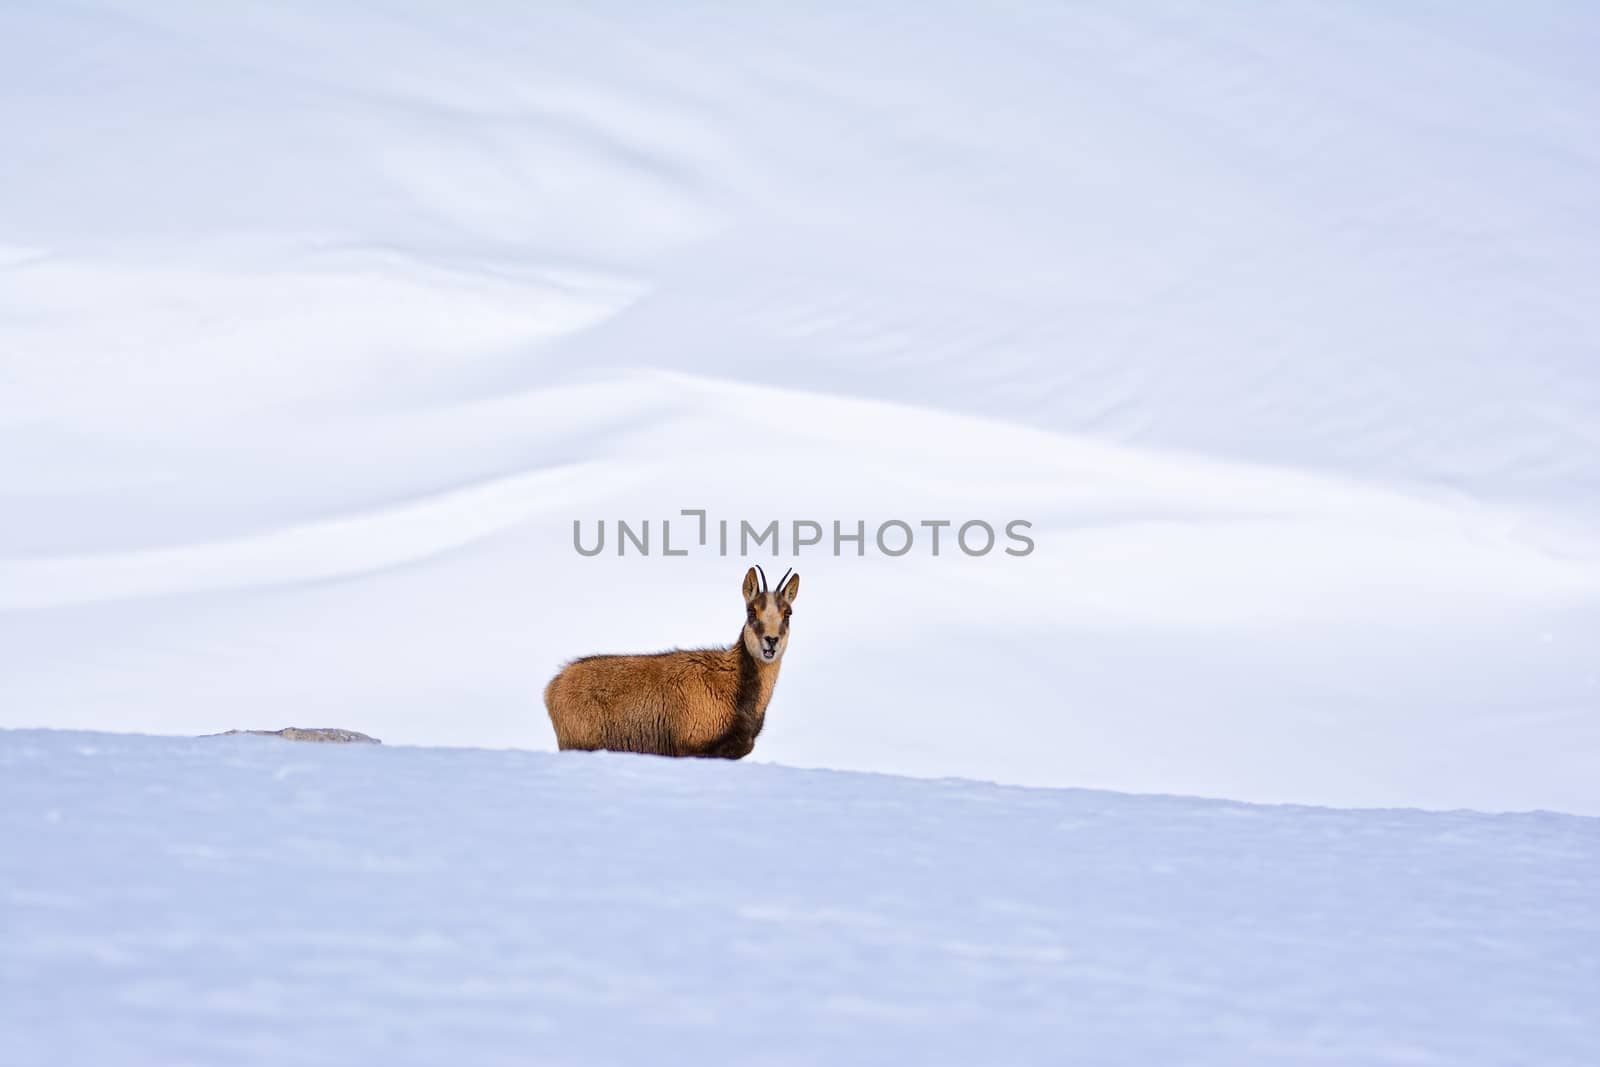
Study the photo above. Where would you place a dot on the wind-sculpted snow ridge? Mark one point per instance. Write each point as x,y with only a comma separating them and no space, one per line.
249,900
320,326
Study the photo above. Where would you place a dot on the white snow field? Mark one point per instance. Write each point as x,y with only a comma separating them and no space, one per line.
249,900
321,323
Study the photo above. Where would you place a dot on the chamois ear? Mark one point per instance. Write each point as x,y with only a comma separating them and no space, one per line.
752,587
790,590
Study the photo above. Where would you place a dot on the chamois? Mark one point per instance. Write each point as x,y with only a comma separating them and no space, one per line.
686,702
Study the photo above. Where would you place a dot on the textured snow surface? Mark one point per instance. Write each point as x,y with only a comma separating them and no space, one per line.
248,900
320,323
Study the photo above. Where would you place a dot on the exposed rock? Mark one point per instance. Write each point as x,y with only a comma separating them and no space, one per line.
326,734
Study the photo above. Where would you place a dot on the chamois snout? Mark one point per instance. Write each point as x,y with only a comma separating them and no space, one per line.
766,623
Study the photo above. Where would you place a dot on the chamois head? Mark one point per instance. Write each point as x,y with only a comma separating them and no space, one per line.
766,615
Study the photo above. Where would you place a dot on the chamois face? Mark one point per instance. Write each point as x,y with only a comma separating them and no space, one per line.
766,618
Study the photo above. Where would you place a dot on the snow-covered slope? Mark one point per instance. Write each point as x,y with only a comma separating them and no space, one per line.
320,324
247,900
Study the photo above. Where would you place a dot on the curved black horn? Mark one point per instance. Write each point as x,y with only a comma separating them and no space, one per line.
784,579
763,577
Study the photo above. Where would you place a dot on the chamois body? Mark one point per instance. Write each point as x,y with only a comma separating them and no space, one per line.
686,702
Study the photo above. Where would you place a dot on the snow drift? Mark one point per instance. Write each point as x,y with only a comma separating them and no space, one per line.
251,900
321,324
